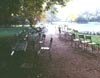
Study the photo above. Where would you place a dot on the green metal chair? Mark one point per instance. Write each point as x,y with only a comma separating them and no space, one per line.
46,48
74,40
90,43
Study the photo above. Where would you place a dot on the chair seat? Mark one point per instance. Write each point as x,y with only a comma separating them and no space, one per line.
75,39
85,41
45,48
93,43
12,53
40,42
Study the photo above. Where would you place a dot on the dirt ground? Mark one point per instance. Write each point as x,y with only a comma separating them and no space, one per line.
68,61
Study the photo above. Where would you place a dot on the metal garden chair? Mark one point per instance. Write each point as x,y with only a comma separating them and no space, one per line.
90,43
46,48
74,40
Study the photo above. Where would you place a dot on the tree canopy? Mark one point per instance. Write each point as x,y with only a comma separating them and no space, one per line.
33,10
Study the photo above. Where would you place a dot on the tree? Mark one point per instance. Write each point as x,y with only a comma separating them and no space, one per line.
7,7
32,10
81,20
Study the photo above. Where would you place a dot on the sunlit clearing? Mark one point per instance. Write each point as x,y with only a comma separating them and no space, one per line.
51,30
72,16
76,7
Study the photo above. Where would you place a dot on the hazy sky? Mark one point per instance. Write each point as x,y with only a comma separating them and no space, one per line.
76,7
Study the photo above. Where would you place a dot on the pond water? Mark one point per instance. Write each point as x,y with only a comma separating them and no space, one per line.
92,27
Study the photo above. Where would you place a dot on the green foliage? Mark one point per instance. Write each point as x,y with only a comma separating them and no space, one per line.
7,7
26,9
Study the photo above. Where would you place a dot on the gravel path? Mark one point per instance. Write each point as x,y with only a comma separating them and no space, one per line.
68,62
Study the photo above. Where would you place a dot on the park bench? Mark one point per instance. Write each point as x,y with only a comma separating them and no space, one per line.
20,46
18,55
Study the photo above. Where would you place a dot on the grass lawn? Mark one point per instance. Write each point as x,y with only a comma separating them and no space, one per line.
8,39
96,38
4,32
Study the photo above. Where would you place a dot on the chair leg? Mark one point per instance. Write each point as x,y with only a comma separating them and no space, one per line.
71,43
86,46
98,47
50,57
77,44
92,46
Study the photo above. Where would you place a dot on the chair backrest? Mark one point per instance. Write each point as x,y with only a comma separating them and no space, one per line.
88,38
43,36
51,41
73,36
39,34
81,37
59,29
